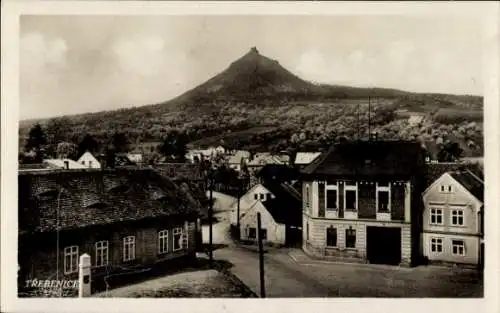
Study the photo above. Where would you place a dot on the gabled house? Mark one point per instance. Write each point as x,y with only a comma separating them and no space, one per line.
89,161
238,158
257,192
66,164
453,223
362,202
280,217
126,219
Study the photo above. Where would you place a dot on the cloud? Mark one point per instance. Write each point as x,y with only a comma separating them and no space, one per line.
144,55
312,65
42,54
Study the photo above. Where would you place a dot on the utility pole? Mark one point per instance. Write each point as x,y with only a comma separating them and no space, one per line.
261,258
210,215
369,118
238,209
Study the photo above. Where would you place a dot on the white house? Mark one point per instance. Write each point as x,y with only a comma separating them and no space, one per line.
453,227
67,164
281,217
257,192
89,161
237,158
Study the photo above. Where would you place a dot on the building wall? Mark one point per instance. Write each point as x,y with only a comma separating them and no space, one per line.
315,242
275,231
246,201
459,198
472,244
41,262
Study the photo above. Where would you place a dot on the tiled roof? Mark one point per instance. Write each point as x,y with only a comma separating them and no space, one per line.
394,159
436,170
83,199
278,172
471,182
180,170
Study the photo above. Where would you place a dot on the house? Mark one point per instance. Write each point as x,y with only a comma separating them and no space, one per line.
362,202
122,159
237,158
259,160
257,192
415,119
63,164
89,161
453,224
127,220
303,159
281,218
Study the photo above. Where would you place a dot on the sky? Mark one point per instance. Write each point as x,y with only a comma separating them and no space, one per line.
78,64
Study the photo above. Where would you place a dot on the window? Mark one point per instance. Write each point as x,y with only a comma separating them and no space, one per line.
129,248
252,233
436,216
332,197
177,238
446,188
101,253
350,200
90,163
163,241
383,197
70,259
307,199
351,196
437,245
449,188
307,231
263,233
83,162
457,217
350,238
331,237
256,196
458,247
261,196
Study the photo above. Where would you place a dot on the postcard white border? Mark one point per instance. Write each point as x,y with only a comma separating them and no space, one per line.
11,10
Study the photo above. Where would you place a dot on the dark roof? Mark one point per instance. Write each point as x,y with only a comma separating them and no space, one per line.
85,199
122,159
471,182
436,170
278,171
395,159
286,207
189,171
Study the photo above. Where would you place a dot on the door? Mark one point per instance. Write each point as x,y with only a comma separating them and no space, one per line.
383,245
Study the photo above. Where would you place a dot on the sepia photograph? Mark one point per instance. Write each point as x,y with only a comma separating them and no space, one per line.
251,156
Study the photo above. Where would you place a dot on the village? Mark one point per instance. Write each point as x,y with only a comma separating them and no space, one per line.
362,218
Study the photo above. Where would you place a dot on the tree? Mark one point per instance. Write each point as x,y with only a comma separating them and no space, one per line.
57,130
36,142
89,144
174,146
450,152
120,143
66,150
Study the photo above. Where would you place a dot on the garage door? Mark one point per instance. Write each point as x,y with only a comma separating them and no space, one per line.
383,245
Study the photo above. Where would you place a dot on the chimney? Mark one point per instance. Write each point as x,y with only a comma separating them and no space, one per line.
66,165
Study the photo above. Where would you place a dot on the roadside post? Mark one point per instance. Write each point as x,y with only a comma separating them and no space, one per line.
84,276
210,217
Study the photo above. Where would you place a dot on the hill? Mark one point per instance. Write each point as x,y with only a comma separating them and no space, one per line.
255,93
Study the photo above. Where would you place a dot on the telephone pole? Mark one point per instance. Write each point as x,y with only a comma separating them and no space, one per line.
210,217
261,258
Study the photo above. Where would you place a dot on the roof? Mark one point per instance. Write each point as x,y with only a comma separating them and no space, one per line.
436,170
394,159
97,197
471,182
278,172
123,159
267,158
238,156
286,207
60,163
303,158
191,171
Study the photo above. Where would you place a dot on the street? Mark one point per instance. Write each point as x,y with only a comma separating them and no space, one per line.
290,273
